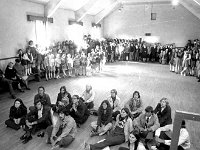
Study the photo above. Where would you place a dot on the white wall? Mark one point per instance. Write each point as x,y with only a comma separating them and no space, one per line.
172,25
16,31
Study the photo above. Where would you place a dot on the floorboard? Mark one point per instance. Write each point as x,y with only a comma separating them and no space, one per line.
153,81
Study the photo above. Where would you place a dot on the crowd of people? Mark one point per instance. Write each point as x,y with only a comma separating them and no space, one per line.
186,61
142,128
66,59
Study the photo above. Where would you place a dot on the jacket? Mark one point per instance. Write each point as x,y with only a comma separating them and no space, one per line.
68,126
116,103
164,116
127,128
152,124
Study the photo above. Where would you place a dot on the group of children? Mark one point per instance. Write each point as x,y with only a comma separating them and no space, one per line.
62,60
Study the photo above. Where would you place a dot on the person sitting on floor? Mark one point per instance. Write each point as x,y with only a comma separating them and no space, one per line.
114,101
11,74
45,99
104,121
37,119
62,96
88,96
119,135
147,124
134,142
79,110
7,83
17,115
163,137
64,131
21,73
135,105
63,103
163,111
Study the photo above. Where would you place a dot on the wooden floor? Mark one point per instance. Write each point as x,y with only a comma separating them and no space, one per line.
153,81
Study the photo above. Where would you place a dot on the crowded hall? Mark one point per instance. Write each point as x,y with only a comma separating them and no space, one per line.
99,74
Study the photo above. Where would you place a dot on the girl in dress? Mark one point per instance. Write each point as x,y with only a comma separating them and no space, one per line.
69,64
51,65
58,62
64,64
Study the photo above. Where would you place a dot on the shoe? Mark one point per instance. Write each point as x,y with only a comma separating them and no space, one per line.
23,137
28,88
27,139
198,80
13,96
48,141
41,134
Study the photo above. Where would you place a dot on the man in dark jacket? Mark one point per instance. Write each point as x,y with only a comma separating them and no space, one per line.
7,82
37,119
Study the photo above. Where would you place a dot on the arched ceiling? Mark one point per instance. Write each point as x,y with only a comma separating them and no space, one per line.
102,8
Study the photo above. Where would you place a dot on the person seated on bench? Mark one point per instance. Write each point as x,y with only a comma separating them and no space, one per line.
104,121
11,74
115,103
120,134
163,137
36,120
163,111
21,73
45,99
4,82
79,110
147,124
17,115
88,96
135,105
64,131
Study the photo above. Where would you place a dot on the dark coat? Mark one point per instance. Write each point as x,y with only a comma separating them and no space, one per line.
17,113
164,117
46,116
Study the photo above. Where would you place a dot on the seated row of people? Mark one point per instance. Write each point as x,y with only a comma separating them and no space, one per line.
14,77
73,111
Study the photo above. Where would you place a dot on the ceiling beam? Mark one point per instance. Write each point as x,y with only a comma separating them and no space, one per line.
114,5
51,7
82,12
145,2
189,8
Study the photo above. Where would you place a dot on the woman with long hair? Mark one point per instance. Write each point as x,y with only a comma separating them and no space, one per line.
104,121
119,135
134,142
63,93
17,115
135,105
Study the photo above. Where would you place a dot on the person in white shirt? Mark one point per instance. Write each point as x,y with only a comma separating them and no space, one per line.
88,96
114,101
163,137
